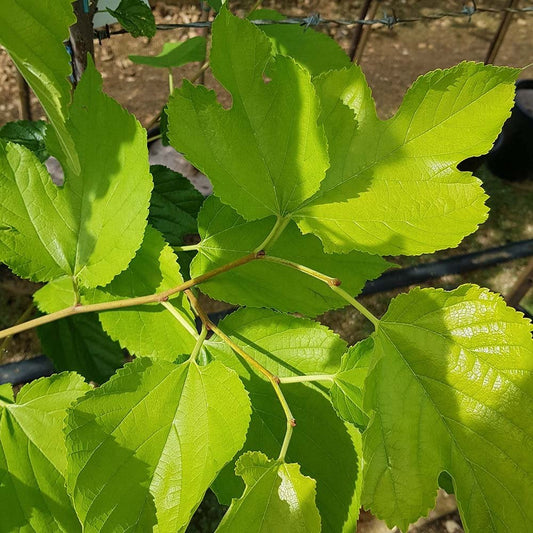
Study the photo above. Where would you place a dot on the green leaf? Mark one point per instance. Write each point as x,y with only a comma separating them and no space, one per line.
226,236
91,227
175,54
393,186
314,50
148,330
277,498
145,446
79,343
327,449
33,33
266,154
30,134
216,4
33,461
174,205
347,390
450,389
135,17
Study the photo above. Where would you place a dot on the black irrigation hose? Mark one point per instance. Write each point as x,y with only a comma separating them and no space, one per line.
30,369
404,277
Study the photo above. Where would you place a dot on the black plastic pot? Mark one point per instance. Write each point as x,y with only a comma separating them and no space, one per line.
512,155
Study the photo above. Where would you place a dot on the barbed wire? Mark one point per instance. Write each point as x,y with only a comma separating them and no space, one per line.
388,20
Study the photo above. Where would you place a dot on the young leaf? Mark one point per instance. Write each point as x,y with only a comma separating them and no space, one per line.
79,343
91,227
43,60
450,389
226,236
33,461
174,205
145,446
175,54
393,186
277,498
347,390
327,449
30,134
314,50
267,154
135,17
148,330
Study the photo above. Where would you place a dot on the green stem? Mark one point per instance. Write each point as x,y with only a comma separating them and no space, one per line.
180,318
302,268
275,233
199,343
170,81
333,284
128,302
360,307
186,248
274,380
154,138
302,379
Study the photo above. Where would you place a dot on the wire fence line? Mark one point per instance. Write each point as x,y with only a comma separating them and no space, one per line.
387,20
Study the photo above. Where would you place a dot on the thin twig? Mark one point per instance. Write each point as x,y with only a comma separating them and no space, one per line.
128,302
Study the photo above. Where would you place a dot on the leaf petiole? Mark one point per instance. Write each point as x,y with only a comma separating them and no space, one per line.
180,318
199,343
303,379
273,236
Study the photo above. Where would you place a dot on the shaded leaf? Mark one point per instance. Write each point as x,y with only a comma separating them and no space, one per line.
79,343
174,205
135,17
30,134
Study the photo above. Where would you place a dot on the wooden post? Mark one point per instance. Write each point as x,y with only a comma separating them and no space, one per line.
362,33
81,38
24,98
501,32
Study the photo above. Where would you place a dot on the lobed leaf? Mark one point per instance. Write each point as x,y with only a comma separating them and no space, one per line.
33,462
175,54
450,389
226,236
393,186
267,153
144,447
277,498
